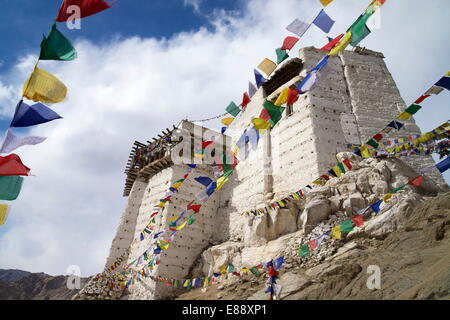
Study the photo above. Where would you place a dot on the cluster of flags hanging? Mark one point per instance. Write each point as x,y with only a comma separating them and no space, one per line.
42,88
337,171
305,250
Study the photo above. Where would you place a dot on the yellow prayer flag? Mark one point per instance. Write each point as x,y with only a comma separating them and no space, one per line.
223,269
173,219
261,125
364,152
404,116
220,182
387,197
42,86
325,2
447,74
245,270
296,197
318,181
4,208
282,98
227,121
161,204
340,47
181,226
336,232
267,66
337,171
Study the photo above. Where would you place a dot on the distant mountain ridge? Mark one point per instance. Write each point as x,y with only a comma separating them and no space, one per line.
24,285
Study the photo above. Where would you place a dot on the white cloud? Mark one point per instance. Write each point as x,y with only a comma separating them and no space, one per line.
132,88
195,4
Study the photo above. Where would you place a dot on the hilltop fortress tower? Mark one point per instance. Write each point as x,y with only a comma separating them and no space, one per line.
354,99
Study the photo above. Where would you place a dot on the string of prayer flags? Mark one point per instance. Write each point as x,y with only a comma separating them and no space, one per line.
42,86
325,2
330,45
12,142
233,109
267,66
4,209
281,55
274,112
26,115
57,47
245,100
227,121
259,78
10,187
86,8
298,27
289,42
11,165
323,21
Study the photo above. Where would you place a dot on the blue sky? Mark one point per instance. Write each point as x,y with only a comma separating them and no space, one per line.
131,60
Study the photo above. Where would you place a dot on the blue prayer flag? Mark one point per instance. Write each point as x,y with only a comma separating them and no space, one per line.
259,78
323,21
26,115
376,206
444,165
444,83
203,180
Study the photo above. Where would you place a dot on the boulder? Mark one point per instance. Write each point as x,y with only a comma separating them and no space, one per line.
315,211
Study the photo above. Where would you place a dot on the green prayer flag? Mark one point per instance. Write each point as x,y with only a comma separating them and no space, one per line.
347,225
398,189
373,143
303,251
281,55
359,28
274,111
230,268
412,109
233,109
10,187
255,271
57,47
191,219
341,167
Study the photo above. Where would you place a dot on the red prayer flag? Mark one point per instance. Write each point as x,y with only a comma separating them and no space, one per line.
358,220
313,244
272,272
289,43
11,165
421,99
292,96
417,182
245,100
87,8
377,137
264,115
325,177
332,43
195,207
347,164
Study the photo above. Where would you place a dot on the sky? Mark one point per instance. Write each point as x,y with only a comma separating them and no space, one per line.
145,65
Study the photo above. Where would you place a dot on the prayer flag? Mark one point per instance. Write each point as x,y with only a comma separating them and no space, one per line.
227,121
254,271
245,100
373,143
404,115
267,66
337,171
323,21
359,28
347,225
282,98
417,182
203,180
289,43
434,90
259,78
336,232
261,125
444,165
10,187
281,55
358,220
312,244
293,95
444,82
86,7
387,197
42,86
274,112
412,109
57,47
340,47
341,167
421,99
308,82
395,124
279,262
4,209
211,188
11,165
298,27
325,2
233,109
11,142
376,206
251,89
328,47
395,190
303,251
220,182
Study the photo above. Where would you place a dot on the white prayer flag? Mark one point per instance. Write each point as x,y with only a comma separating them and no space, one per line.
12,142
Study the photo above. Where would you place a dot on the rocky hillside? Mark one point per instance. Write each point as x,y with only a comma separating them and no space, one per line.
414,260
23,285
